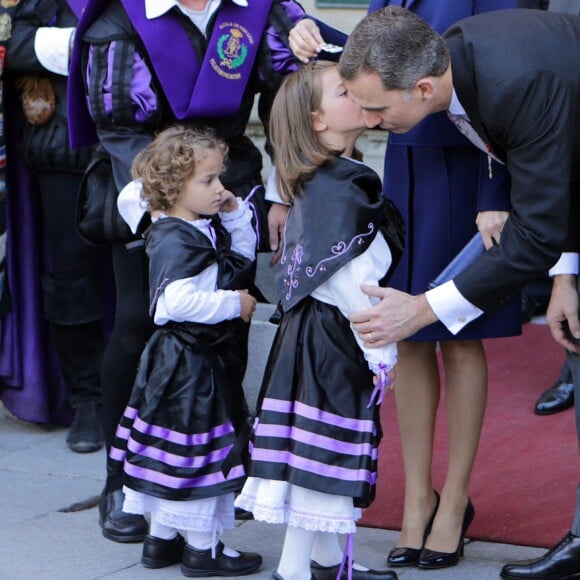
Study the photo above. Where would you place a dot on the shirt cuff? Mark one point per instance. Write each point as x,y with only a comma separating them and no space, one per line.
52,45
451,308
271,193
243,214
130,205
567,264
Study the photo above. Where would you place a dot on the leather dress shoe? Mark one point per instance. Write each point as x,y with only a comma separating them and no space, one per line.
557,398
160,553
432,559
331,572
199,563
118,525
562,562
399,557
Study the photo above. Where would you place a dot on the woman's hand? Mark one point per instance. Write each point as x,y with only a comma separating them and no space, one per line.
305,40
490,225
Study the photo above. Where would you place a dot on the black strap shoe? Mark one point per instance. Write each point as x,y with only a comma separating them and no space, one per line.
118,525
562,562
159,553
331,572
199,563
557,398
85,435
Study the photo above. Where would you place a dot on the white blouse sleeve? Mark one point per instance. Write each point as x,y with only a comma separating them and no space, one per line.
239,224
344,291
186,300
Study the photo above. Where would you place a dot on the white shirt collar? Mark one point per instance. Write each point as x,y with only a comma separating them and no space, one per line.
456,108
156,8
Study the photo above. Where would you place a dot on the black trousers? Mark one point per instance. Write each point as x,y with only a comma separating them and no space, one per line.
71,289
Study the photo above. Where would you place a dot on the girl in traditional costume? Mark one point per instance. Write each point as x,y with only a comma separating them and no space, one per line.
315,439
177,438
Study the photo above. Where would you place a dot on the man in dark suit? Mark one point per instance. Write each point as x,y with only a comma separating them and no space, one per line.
510,80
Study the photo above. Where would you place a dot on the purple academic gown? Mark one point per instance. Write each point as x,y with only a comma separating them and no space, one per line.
31,386
439,181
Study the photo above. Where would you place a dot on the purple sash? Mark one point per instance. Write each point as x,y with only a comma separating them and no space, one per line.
215,87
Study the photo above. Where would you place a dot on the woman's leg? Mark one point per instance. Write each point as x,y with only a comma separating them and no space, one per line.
466,396
417,397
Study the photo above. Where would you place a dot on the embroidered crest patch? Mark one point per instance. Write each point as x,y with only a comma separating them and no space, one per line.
232,49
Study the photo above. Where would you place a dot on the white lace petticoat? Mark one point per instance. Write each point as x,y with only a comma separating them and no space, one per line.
213,514
279,502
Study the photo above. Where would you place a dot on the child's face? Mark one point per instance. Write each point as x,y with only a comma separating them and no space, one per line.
337,110
202,193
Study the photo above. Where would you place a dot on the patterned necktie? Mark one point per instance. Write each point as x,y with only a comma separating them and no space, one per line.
463,124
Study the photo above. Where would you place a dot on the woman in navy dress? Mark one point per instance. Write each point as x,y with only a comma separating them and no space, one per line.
446,191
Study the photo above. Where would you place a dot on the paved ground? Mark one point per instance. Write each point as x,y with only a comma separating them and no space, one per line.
48,514
49,529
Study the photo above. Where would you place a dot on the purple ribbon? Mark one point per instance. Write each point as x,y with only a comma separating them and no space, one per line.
348,554
255,212
382,385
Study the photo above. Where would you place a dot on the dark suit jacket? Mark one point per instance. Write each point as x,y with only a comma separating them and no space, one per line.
517,74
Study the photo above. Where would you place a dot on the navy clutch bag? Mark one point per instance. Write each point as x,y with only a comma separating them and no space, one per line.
472,250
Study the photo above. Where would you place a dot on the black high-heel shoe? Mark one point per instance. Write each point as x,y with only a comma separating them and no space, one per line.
410,556
431,559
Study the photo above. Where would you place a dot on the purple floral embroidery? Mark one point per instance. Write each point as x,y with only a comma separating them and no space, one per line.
338,250
293,269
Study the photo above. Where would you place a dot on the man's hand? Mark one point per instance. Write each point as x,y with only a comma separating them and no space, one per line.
490,225
276,221
563,311
305,40
396,317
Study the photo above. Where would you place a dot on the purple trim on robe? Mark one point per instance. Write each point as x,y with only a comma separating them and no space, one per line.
182,438
117,454
182,482
283,60
130,412
31,386
309,412
77,6
142,95
316,467
303,436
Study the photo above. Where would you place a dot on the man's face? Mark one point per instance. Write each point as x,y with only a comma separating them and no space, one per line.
395,110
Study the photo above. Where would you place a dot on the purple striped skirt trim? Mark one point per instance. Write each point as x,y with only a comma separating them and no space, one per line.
303,436
182,482
181,438
316,467
178,460
117,454
122,433
280,406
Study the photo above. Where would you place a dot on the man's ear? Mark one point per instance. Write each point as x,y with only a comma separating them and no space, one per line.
427,87
317,123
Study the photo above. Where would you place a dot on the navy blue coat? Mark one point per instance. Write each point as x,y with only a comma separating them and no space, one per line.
439,181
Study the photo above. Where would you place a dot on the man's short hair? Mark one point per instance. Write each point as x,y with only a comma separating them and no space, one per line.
398,46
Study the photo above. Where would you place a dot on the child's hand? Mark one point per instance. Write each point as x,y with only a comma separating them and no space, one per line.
248,305
229,201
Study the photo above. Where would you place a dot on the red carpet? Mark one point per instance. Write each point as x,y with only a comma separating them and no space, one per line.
525,475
